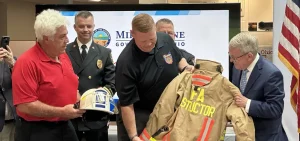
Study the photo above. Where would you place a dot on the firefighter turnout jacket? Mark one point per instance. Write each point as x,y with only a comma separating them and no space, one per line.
197,106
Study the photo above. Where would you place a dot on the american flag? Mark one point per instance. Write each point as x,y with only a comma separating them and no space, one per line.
288,50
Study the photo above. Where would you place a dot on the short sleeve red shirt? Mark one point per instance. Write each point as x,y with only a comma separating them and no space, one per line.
37,77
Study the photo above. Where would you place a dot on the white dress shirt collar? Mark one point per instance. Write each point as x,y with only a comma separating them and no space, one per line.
252,65
88,44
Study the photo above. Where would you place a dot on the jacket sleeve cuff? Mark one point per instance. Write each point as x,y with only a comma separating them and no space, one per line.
248,105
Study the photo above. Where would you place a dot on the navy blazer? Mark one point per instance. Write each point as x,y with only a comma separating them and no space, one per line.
6,88
92,74
266,90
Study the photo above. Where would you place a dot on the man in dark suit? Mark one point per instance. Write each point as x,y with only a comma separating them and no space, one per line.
261,85
94,67
7,110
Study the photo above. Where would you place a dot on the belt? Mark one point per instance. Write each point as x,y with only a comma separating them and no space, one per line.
45,122
9,121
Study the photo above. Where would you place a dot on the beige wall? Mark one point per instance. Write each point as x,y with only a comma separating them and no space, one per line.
19,47
257,11
3,19
20,20
17,20
252,11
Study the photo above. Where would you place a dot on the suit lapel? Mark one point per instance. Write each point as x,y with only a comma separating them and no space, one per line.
75,55
93,52
236,76
255,74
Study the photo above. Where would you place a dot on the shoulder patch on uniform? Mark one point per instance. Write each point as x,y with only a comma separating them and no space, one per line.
168,58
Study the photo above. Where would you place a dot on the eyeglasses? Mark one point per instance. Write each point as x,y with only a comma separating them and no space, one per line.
236,58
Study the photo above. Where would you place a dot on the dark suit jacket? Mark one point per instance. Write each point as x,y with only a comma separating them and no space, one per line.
6,88
96,70
266,91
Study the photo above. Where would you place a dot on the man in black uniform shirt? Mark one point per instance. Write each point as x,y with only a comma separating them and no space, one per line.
145,67
94,67
167,26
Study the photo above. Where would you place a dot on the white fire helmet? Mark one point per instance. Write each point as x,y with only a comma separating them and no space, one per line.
98,99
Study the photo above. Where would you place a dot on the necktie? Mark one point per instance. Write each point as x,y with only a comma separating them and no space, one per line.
83,53
243,81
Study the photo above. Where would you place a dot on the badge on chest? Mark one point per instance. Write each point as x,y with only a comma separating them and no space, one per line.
99,64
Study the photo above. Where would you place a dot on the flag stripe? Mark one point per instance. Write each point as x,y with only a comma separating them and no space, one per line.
285,44
292,27
292,16
296,3
291,38
293,83
293,92
290,61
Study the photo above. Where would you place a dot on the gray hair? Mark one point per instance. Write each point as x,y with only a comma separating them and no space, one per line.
47,22
245,42
83,14
164,20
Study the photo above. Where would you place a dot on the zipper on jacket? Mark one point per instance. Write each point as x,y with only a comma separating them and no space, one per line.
162,129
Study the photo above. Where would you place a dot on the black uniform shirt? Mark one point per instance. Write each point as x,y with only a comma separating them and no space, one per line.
141,77
190,58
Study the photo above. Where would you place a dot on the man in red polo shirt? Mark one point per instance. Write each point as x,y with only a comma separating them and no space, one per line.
44,84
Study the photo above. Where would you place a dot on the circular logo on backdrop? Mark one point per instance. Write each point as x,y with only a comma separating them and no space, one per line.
101,37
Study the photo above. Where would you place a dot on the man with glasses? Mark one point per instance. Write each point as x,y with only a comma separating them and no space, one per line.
261,86
167,26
